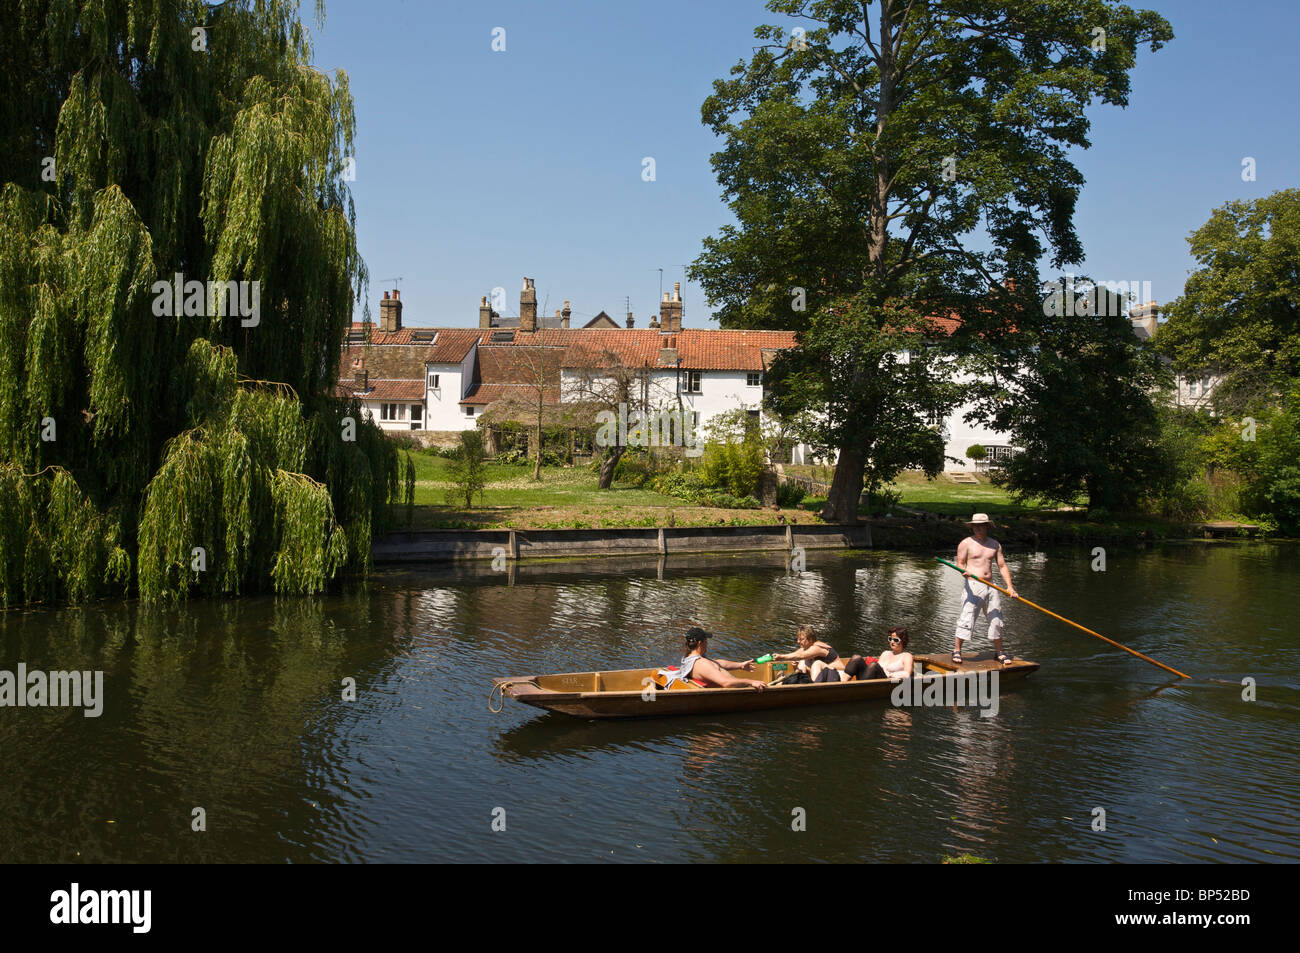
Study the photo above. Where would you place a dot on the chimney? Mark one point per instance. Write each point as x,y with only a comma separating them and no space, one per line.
485,313
1146,316
629,320
565,315
668,350
670,311
528,307
390,312
360,377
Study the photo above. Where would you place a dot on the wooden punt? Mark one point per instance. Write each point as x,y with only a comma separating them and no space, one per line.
627,693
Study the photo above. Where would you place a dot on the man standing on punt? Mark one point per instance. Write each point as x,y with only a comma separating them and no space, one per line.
975,557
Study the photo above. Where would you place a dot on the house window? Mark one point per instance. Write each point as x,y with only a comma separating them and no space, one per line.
392,412
469,410
934,419
1194,388
433,382
753,380
691,382
416,410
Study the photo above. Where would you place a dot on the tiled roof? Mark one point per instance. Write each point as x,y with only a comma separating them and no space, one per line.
385,390
516,393
452,345
518,363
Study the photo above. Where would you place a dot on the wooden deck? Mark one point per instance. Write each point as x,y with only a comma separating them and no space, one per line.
1227,528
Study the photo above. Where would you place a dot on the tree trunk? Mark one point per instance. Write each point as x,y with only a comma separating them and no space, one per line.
537,462
607,467
846,488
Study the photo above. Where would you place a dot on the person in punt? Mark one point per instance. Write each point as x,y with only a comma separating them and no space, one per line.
818,662
707,672
896,662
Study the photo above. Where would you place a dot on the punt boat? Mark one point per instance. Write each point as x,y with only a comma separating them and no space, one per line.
637,692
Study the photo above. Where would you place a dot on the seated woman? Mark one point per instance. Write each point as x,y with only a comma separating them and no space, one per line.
708,672
818,662
894,663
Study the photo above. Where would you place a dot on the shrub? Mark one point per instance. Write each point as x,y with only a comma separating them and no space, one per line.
467,473
733,466
689,487
880,502
790,494
976,451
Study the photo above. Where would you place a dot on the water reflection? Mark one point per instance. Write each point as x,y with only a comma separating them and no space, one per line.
239,708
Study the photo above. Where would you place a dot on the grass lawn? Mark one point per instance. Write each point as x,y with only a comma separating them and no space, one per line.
565,498
953,499
939,495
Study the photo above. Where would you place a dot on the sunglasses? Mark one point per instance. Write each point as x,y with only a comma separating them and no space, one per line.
894,638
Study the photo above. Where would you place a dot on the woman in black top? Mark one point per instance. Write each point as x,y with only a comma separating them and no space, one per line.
818,662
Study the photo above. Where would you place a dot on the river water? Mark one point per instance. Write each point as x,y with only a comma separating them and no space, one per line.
236,708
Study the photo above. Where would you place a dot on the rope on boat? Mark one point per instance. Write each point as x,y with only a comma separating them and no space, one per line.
501,687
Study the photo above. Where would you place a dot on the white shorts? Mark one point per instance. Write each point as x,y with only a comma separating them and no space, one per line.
980,596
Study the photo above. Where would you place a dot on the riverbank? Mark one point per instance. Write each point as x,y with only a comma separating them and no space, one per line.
917,531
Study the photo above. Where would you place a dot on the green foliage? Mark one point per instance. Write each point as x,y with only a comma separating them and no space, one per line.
1085,419
882,502
733,466
190,430
637,467
876,385
54,542
976,451
689,486
835,166
467,473
1238,317
790,494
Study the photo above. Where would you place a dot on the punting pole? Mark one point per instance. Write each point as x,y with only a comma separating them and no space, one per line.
1081,628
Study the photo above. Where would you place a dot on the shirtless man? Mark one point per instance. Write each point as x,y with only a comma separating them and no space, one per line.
697,666
975,558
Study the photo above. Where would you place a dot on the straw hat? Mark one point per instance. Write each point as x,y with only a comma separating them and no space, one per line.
978,519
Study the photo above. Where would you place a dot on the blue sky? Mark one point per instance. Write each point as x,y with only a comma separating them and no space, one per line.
475,168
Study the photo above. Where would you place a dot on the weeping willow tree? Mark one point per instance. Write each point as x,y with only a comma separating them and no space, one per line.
178,267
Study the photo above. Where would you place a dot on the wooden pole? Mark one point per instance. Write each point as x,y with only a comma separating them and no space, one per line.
1081,628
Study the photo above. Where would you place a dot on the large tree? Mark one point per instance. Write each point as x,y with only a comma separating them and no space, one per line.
1239,315
884,151
1080,405
191,447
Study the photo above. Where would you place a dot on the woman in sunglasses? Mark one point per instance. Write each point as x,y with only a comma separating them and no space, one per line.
896,662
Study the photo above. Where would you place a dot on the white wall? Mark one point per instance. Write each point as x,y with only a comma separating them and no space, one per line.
442,407
371,408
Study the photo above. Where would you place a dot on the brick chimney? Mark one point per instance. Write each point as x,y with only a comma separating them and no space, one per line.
485,313
629,320
670,310
565,315
528,307
668,350
390,312
360,377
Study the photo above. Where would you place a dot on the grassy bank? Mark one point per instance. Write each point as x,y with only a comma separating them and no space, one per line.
930,513
566,498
